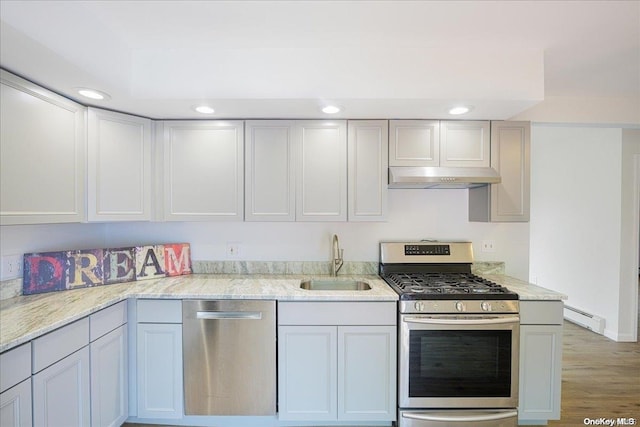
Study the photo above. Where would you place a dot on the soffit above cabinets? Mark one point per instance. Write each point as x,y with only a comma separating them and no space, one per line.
270,59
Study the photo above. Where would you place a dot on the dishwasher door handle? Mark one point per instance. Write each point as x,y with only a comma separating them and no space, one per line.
236,315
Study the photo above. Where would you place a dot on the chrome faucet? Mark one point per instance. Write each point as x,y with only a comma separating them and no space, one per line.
337,256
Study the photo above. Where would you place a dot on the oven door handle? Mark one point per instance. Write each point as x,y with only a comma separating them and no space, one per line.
454,321
442,417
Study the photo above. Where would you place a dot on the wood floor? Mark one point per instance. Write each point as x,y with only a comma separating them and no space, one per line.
600,378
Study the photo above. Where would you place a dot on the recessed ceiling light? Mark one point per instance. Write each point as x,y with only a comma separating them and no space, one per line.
461,109
204,109
93,94
331,109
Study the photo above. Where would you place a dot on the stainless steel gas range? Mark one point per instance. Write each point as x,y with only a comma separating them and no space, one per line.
458,338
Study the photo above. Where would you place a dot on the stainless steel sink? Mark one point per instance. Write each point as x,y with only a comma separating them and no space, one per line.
334,285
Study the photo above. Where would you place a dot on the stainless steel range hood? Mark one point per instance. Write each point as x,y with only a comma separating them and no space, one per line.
441,177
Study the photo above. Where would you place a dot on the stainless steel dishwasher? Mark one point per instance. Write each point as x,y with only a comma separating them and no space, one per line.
229,353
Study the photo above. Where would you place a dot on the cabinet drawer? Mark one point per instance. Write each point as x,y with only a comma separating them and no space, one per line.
159,311
541,312
107,320
60,343
15,366
337,313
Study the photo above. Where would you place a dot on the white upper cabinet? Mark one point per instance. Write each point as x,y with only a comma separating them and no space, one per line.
414,143
203,170
269,171
465,144
507,201
368,148
321,170
42,155
297,170
439,143
119,167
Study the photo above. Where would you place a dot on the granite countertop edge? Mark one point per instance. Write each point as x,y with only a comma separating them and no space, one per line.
25,318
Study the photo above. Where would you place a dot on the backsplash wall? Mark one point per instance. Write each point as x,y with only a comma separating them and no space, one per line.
413,214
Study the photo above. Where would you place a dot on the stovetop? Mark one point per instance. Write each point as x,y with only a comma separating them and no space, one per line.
446,285
435,270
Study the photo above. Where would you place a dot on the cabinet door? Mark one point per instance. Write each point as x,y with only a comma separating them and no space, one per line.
269,178
510,156
368,162
119,167
307,373
15,406
465,144
109,379
159,368
414,143
42,155
321,171
367,373
61,392
540,372
507,201
203,170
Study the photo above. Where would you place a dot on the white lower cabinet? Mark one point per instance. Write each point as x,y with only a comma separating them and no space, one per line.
80,375
159,359
61,392
307,372
540,361
366,373
336,372
109,379
159,368
15,387
15,405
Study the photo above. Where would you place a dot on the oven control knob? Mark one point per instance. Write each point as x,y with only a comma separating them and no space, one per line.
460,306
419,305
486,306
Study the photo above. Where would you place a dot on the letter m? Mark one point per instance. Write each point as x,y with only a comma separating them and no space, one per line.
177,259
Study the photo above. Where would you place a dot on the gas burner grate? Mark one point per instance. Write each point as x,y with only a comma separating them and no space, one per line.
445,285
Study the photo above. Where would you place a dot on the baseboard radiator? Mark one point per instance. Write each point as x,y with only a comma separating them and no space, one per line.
584,319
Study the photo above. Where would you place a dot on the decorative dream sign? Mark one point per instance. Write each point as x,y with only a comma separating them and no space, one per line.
58,271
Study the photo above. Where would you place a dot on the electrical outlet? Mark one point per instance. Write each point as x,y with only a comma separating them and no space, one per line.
11,267
488,246
233,250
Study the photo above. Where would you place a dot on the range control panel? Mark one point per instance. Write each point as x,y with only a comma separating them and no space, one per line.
427,250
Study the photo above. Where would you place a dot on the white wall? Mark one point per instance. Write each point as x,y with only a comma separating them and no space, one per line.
577,219
413,214
629,235
20,239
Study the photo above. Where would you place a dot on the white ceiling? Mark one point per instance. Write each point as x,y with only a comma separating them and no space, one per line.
376,59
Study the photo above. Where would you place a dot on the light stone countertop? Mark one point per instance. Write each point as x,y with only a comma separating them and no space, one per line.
525,290
24,318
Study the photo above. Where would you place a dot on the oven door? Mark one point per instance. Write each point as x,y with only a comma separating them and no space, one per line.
459,361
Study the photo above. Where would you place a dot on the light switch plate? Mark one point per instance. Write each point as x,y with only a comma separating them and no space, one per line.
233,250
11,267
488,246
